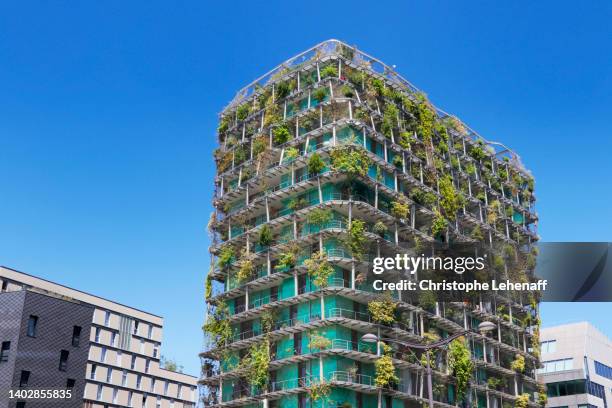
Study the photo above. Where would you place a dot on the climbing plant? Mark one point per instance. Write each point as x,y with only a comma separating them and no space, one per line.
315,164
319,390
256,364
439,224
319,341
226,255
385,370
245,270
400,208
518,364
218,326
265,237
460,364
208,287
355,239
450,201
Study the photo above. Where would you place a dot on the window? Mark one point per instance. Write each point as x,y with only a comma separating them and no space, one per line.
4,285
133,364
93,372
554,366
103,355
150,334
119,358
97,338
152,384
76,336
107,318
63,363
25,377
147,365
166,388
138,381
603,370
32,323
596,389
109,375
20,404
142,345
549,346
158,403
4,351
99,393
136,327
561,389
129,401
70,383
178,392
113,338
155,351
124,378
114,395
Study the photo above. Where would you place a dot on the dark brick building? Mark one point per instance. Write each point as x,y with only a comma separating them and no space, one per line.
44,344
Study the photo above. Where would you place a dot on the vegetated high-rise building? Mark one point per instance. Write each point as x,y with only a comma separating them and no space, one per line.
332,159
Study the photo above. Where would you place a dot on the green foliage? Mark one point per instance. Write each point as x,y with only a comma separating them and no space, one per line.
518,364
319,341
377,85
427,299
329,71
320,216
450,201
356,240
256,364
281,134
347,91
380,228
217,325
319,269
170,365
315,164
246,270
400,208
297,204
522,401
284,88
439,224
319,94
426,115
398,161
494,382
460,364
265,237
226,255
389,119
405,138
267,321
477,152
223,125
292,153
208,287
542,396
260,143
243,111
477,234
288,259
383,311
426,198
385,370
353,161
319,391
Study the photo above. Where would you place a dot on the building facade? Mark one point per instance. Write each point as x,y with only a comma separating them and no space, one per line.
326,162
111,351
576,366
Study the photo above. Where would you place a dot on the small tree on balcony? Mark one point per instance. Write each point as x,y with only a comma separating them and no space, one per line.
356,240
319,341
400,208
246,270
319,390
217,325
208,287
319,269
288,258
353,161
265,236
257,363
281,134
383,311
439,224
518,364
315,164
451,200
522,401
380,228
226,256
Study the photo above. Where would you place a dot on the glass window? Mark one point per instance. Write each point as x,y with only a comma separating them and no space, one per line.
63,364
32,325
4,351
70,383
107,318
25,377
76,336
549,346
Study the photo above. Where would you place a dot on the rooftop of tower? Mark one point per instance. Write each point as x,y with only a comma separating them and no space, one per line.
334,47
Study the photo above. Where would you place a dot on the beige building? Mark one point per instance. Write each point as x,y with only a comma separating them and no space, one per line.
123,364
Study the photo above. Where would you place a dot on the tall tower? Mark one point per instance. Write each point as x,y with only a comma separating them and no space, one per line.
326,162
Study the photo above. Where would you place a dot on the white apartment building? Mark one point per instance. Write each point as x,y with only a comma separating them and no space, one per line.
123,366
577,366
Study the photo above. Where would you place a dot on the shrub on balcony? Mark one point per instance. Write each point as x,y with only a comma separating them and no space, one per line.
347,91
494,383
389,120
380,228
297,204
268,318
522,401
265,237
226,255
319,342
246,270
257,363
426,115
208,287
542,396
243,111
383,311
330,71
375,87
353,161
260,144
425,198
460,364
319,390
477,234
281,134
427,299
288,259
319,269
398,161
320,216
224,124
291,153
518,364
439,224
400,208
315,164
319,94
356,240
385,370
217,325
405,138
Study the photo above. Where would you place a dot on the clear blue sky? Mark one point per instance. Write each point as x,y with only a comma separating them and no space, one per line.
108,111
